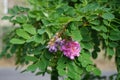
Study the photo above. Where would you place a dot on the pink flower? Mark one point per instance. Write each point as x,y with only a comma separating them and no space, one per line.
71,49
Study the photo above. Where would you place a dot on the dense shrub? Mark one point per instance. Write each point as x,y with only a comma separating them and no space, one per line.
60,37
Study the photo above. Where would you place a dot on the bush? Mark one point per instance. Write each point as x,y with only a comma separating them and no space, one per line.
59,37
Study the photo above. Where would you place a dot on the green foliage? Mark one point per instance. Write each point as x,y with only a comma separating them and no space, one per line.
91,23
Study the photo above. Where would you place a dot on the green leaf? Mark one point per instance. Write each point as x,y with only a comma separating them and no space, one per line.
110,51
31,58
97,28
32,67
17,41
90,68
22,33
76,35
85,59
95,22
29,28
105,36
38,39
103,28
48,31
87,45
62,72
6,17
113,44
108,16
41,31
114,35
64,19
21,19
43,63
97,72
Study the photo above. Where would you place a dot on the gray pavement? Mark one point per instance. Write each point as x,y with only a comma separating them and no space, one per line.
12,74
9,73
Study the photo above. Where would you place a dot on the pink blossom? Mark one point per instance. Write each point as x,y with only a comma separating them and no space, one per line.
71,49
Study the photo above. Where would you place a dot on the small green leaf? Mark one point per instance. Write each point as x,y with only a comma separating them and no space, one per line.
38,39
29,28
105,36
97,28
64,19
76,35
48,31
6,17
62,72
114,35
108,16
31,58
87,45
110,51
17,41
21,19
32,67
97,72
22,33
95,22
90,68
41,31
113,44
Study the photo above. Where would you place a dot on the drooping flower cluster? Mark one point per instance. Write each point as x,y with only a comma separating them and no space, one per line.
70,48
54,43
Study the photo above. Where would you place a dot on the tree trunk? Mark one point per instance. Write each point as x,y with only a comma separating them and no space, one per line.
54,75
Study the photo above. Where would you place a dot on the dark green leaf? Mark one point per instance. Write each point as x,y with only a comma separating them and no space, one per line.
31,58
113,44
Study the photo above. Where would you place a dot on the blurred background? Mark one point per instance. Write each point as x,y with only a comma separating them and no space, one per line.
7,66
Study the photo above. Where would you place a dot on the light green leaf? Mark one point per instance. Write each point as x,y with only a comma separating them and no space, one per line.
38,39
41,31
17,41
76,35
64,19
21,19
97,28
22,33
108,16
48,31
110,51
29,28
90,68
97,72
32,67
62,72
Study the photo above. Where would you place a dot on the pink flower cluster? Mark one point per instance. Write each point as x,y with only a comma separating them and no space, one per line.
70,48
